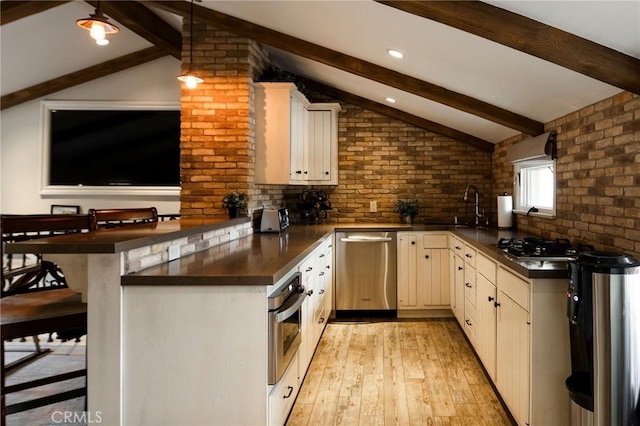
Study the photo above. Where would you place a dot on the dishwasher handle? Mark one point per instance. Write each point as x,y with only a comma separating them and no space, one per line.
366,239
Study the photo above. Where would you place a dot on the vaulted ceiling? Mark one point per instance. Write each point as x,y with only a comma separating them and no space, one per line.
476,71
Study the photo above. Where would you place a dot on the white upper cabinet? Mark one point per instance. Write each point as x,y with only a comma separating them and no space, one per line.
296,142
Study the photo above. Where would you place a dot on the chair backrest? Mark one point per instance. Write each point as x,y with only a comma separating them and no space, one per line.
28,272
114,218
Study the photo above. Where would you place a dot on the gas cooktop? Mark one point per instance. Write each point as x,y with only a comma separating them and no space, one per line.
541,249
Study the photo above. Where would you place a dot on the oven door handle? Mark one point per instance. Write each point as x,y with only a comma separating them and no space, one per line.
291,309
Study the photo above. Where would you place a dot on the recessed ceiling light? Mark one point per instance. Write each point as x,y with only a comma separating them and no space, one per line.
390,100
395,53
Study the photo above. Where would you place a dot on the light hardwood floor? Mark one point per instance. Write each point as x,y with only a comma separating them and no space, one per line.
396,373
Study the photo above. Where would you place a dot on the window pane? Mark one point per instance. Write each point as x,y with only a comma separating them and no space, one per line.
540,182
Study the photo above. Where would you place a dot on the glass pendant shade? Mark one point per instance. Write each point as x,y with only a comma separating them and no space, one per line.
190,79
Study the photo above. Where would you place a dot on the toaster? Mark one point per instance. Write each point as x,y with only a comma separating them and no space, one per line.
274,220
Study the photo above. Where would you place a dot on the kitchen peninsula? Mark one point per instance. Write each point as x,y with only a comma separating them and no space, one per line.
184,341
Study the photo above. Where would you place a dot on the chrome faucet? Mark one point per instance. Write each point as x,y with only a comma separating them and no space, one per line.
466,198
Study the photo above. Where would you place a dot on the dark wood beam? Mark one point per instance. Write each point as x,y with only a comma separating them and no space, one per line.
72,79
398,114
355,66
13,10
531,37
145,23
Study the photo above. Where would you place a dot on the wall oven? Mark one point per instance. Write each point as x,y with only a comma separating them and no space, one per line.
284,321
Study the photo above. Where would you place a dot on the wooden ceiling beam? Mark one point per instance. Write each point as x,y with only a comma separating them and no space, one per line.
145,23
13,10
355,66
531,37
78,77
398,114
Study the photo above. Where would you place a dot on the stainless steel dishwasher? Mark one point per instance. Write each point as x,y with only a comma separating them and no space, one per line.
365,271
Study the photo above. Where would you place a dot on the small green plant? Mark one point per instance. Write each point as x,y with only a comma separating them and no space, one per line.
236,200
407,209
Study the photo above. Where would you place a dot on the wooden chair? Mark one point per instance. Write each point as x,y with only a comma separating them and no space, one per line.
36,300
114,218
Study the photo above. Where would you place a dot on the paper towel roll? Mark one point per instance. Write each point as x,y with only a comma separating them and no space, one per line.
505,211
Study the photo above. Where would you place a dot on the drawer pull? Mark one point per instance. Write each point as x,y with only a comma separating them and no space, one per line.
322,291
459,268
468,285
321,320
322,255
328,266
491,299
426,256
288,395
496,304
468,323
457,247
468,255
413,243
310,292
310,268
321,273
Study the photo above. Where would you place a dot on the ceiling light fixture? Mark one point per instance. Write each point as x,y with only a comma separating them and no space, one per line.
190,78
390,100
395,53
98,26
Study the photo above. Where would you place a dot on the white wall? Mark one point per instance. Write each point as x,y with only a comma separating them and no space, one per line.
21,140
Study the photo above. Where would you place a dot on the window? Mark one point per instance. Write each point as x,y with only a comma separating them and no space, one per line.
534,186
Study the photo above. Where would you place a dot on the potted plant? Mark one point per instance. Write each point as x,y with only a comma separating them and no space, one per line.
235,202
407,209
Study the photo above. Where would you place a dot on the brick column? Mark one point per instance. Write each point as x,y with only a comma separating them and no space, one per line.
217,147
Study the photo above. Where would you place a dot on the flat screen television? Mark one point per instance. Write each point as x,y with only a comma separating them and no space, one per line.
112,145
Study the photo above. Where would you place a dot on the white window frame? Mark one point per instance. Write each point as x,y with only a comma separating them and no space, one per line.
522,203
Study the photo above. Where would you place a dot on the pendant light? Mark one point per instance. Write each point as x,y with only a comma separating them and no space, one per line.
190,78
98,26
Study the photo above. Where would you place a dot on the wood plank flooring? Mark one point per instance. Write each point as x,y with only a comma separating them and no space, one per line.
419,372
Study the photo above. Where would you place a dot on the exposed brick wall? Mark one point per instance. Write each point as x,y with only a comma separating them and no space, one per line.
217,137
384,159
598,176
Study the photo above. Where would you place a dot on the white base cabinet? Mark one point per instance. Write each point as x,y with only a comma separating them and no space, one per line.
423,272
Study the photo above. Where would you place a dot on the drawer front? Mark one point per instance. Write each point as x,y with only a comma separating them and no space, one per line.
283,394
514,287
456,245
486,267
470,255
470,325
434,241
470,291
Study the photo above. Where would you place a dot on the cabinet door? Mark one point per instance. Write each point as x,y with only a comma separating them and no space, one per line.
299,154
433,277
407,271
319,146
486,324
513,357
460,289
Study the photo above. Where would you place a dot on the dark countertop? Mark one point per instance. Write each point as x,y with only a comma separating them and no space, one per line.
259,259
121,239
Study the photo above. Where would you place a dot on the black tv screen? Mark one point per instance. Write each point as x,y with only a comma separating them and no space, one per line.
114,148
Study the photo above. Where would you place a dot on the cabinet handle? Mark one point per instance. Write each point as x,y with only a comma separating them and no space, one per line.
468,323
288,395
298,172
459,268
305,172
310,292
426,256
468,285
468,255
310,268
321,320
413,243
328,266
457,247
491,299
322,291
326,173
496,304
321,255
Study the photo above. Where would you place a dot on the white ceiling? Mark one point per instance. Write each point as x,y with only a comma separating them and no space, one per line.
434,53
